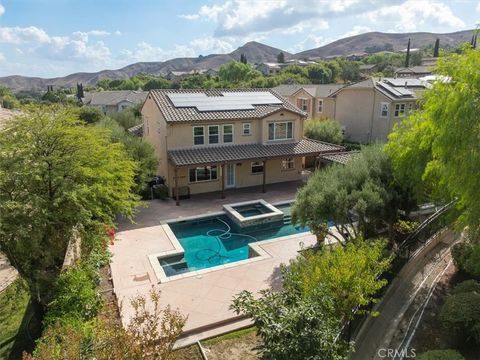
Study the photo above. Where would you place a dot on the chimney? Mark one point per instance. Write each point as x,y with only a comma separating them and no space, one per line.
406,82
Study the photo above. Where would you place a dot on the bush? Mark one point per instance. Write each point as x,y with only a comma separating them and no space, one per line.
440,355
467,286
466,257
90,115
76,297
126,118
461,315
324,130
160,192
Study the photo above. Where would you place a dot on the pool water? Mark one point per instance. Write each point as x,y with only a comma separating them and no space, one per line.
216,240
252,210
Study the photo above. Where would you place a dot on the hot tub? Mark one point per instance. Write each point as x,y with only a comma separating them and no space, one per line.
255,212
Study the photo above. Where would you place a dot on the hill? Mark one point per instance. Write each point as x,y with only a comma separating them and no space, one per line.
254,51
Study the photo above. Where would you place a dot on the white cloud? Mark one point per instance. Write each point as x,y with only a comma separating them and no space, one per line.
310,42
210,44
478,7
244,17
3,59
18,35
147,52
356,30
412,14
2,10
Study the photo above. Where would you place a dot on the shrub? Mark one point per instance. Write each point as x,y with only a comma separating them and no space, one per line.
90,115
461,315
75,296
440,355
160,192
126,118
467,286
466,257
324,130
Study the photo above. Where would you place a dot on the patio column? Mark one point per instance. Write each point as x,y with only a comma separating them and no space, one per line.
177,198
223,181
264,176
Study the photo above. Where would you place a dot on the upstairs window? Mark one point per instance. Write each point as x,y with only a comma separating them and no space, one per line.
320,106
304,104
205,173
257,167
213,134
247,129
399,110
280,130
198,135
384,109
227,134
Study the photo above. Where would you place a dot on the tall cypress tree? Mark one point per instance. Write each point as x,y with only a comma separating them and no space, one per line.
475,41
407,57
436,48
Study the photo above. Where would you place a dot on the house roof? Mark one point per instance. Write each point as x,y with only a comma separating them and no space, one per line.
340,157
230,153
320,90
136,130
367,66
106,98
173,113
419,69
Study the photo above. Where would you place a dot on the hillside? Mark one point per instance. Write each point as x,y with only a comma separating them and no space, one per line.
358,43
254,51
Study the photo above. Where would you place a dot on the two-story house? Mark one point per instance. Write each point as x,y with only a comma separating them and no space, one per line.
211,140
315,100
367,110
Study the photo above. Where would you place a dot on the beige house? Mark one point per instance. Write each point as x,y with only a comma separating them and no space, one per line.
367,110
315,100
211,140
113,101
414,71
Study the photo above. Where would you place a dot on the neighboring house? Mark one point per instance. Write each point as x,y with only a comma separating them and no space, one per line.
271,68
315,100
429,61
136,130
414,71
210,140
367,69
113,101
367,110
178,75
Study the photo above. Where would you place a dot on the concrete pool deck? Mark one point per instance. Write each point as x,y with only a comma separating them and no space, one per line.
205,298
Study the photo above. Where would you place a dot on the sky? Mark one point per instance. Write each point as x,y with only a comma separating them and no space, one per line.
49,38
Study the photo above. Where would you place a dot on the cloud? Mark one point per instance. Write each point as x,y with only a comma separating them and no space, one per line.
2,10
210,44
3,59
411,14
147,52
18,35
310,42
356,30
245,17
478,8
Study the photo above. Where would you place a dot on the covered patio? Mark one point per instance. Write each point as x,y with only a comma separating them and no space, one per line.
222,156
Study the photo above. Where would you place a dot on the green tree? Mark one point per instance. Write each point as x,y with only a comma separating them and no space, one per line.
138,149
407,57
436,48
55,175
358,197
440,355
350,70
7,99
461,315
432,151
156,83
243,58
319,74
90,114
236,71
281,57
125,118
324,130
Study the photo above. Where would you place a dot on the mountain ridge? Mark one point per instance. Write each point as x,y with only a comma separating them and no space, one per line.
255,52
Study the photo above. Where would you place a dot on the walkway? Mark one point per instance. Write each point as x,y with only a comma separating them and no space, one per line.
7,273
408,291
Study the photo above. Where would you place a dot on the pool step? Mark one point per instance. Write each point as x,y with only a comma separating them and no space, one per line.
287,219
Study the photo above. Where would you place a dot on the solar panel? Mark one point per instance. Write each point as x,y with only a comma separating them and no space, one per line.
401,82
396,91
227,101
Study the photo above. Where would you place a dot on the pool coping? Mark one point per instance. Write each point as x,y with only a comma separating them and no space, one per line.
242,221
256,247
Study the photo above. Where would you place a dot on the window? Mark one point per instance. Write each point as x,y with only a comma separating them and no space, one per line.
399,110
288,164
227,134
410,107
383,109
198,135
280,130
257,167
304,104
320,105
206,173
213,134
247,129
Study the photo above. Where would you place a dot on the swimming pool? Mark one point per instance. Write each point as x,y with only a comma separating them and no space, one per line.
217,240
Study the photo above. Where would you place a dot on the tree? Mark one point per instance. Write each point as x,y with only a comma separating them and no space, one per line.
461,315
293,327
157,83
407,56
55,175
436,48
90,114
151,334
319,74
125,118
7,99
350,70
440,355
138,149
349,274
243,58
236,72
431,149
281,57
363,190
324,130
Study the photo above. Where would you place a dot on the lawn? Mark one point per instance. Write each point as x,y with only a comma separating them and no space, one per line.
235,345
14,315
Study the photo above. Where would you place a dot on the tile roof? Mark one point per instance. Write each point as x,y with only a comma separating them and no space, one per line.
228,153
340,157
136,130
189,114
99,98
316,90
419,69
